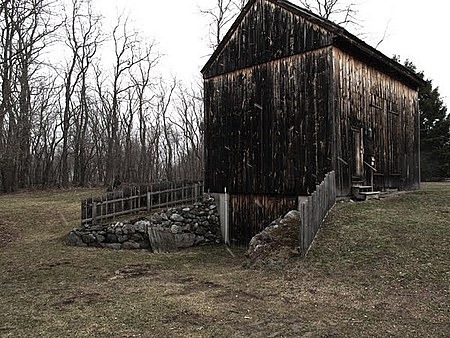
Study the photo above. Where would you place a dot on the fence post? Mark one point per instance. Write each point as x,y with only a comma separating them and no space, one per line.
94,212
225,217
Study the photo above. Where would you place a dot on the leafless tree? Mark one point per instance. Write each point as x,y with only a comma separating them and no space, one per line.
24,30
164,101
188,118
221,16
127,58
342,13
142,80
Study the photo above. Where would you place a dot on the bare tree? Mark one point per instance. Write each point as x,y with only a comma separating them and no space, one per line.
24,30
90,39
164,101
142,83
220,18
338,11
188,118
126,58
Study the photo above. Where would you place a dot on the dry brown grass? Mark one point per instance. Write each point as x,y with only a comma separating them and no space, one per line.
378,268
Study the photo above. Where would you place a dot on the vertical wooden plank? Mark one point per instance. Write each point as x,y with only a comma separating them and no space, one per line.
94,213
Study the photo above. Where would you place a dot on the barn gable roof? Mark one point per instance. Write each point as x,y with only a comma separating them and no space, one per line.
340,38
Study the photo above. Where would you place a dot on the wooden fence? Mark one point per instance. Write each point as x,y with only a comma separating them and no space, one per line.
314,209
135,199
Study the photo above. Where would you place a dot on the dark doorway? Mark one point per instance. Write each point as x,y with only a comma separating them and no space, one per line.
357,153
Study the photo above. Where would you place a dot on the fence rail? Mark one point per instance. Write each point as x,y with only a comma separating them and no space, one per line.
314,209
135,199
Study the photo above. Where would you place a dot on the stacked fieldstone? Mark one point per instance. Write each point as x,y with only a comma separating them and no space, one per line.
174,228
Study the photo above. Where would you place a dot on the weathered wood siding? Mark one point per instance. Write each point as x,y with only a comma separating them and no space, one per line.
250,214
267,127
386,112
267,32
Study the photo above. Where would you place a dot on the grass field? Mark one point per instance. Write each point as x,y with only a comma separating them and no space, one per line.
377,268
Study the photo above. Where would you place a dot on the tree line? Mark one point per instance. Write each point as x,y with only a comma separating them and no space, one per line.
73,121
76,122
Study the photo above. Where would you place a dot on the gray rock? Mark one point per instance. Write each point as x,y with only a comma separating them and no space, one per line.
164,216
175,229
123,238
209,236
96,227
291,216
74,240
186,209
129,228
130,245
176,218
186,228
100,238
141,226
199,240
156,218
212,207
119,231
184,240
166,224
137,237
200,231
111,238
88,238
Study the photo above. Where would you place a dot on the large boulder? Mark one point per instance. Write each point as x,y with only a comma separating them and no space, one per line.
277,243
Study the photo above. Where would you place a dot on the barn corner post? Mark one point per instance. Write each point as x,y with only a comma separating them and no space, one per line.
419,169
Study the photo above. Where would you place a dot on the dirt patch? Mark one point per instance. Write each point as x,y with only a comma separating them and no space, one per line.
8,233
136,271
81,297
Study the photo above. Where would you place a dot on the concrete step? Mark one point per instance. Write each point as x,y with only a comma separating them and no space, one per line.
361,187
369,195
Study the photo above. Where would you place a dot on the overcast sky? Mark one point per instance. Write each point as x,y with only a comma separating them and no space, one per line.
414,31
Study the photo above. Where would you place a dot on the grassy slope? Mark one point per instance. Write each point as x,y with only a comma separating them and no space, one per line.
377,268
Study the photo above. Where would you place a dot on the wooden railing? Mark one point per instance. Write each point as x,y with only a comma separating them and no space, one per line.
314,209
136,199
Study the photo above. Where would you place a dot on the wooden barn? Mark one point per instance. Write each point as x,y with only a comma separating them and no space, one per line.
289,97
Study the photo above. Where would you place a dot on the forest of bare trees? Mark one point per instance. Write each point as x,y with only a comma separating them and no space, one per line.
74,121
68,118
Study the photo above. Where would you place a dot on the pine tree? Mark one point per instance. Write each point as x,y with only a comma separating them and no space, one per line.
434,130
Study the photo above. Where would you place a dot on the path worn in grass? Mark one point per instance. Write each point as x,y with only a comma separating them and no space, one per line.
378,268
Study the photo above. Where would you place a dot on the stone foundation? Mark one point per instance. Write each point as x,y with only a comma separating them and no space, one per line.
165,231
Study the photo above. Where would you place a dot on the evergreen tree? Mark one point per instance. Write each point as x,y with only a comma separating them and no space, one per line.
434,130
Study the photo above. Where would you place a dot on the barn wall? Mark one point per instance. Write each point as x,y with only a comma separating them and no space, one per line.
386,111
267,129
267,32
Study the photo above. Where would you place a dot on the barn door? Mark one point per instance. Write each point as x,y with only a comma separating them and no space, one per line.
358,153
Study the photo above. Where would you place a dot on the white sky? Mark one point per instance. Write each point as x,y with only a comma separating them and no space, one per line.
415,31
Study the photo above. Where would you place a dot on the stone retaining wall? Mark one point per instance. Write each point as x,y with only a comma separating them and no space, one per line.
171,229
